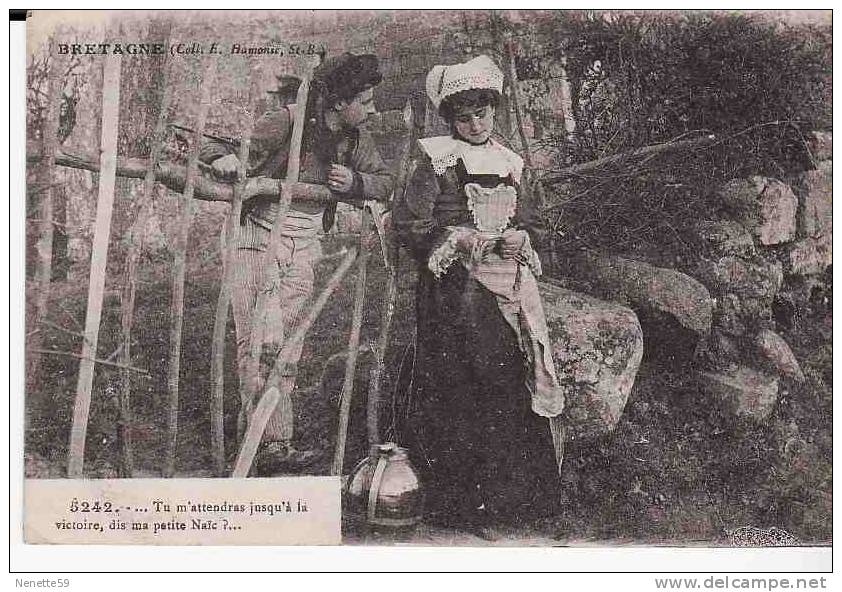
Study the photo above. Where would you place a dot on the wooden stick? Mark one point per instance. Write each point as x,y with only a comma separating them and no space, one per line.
232,222
174,176
347,392
92,360
271,396
129,290
251,381
375,383
47,323
44,246
179,266
652,150
558,432
99,254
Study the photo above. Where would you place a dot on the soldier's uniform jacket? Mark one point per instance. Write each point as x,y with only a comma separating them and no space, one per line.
320,148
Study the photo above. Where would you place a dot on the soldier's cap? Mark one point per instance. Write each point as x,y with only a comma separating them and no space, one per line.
344,76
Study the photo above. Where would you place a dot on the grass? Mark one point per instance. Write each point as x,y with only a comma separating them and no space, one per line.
675,470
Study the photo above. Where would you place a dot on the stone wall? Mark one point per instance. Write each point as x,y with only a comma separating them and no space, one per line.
761,262
762,256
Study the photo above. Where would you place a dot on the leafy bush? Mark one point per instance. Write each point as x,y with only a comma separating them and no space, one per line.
647,79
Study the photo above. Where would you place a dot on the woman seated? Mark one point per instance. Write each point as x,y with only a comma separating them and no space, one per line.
484,382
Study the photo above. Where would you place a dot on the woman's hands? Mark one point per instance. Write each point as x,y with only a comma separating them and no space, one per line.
509,246
465,243
513,243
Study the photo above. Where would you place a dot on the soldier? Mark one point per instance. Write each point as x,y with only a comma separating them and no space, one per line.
334,152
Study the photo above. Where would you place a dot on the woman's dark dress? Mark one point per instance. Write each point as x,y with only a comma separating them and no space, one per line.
483,452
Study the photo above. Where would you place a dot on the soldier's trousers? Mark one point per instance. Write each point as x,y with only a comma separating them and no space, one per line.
290,285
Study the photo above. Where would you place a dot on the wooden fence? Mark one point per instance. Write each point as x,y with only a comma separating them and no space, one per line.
193,185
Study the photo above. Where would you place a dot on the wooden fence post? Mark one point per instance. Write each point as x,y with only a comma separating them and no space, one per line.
250,383
44,186
99,255
129,289
188,208
375,383
269,399
353,351
221,317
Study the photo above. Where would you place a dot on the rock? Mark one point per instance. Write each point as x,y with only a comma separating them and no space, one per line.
726,237
815,209
774,352
597,348
767,207
810,256
648,288
747,279
743,391
778,206
821,145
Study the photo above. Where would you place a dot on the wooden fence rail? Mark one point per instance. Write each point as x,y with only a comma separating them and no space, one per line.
174,177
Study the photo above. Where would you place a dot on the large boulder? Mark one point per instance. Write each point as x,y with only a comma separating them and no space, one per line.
821,145
810,256
767,207
743,392
776,354
757,279
656,291
597,348
815,195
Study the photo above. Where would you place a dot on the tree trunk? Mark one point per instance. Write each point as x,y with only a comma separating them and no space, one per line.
44,245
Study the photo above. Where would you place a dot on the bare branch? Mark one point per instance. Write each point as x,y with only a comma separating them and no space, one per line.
95,360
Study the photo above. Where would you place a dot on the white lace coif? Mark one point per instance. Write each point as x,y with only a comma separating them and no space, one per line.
479,73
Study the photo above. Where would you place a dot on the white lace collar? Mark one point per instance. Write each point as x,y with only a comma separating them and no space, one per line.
491,158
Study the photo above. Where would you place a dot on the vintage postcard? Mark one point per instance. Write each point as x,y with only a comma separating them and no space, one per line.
440,278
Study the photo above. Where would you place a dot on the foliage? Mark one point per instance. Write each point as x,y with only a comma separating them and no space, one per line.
640,80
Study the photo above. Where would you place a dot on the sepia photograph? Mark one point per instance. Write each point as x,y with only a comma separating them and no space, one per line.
439,278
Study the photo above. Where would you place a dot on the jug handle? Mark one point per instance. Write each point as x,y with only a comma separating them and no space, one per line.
374,488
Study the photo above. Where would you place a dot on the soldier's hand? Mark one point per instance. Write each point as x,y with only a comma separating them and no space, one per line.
340,178
226,167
